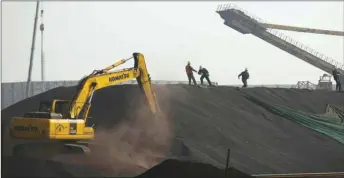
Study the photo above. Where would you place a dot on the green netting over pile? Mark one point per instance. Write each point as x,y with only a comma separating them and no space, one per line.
328,124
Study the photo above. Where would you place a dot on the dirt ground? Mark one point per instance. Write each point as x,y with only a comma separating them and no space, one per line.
198,124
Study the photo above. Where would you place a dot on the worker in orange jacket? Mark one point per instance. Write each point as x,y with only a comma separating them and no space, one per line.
189,72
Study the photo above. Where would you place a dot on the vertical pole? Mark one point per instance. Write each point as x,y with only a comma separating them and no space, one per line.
227,162
42,57
32,52
42,49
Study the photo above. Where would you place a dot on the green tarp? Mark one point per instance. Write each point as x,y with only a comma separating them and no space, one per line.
331,125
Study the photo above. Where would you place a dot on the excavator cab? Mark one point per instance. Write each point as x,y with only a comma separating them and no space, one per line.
54,109
55,106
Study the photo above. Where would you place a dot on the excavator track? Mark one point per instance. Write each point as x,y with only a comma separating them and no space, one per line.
80,153
47,150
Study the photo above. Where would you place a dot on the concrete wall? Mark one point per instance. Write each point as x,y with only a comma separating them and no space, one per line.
12,93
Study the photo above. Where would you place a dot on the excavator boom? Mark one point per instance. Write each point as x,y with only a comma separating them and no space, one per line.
103,78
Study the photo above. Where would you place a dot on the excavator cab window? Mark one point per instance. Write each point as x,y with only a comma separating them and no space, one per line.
62,107
45,106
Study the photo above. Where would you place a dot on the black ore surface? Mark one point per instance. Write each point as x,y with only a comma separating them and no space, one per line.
184,169
203,123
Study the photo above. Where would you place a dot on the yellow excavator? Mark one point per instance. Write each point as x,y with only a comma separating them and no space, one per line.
60,126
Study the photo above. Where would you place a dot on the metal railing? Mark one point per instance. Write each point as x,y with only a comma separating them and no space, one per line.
280,35
305,85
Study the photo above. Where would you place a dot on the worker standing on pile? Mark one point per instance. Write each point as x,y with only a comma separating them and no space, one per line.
189,72
204,74
244,76
336,77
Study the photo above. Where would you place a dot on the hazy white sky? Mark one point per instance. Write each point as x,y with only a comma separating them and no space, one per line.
83,36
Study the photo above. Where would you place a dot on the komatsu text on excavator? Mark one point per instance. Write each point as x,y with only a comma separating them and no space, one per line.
61,125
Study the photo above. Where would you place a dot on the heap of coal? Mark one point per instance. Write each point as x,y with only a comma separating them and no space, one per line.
198,125
185,169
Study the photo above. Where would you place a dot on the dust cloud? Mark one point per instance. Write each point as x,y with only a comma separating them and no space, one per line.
138,143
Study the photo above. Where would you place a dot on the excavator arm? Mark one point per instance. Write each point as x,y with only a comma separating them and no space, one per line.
99,79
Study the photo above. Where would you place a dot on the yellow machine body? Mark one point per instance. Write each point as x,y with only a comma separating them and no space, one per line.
54,129
66,121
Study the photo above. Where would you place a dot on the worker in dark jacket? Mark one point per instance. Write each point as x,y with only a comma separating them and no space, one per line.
244,76
204,74
189,72
336,77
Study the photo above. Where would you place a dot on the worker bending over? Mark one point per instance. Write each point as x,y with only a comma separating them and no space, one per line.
204,74
189,72
244,76
336,77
